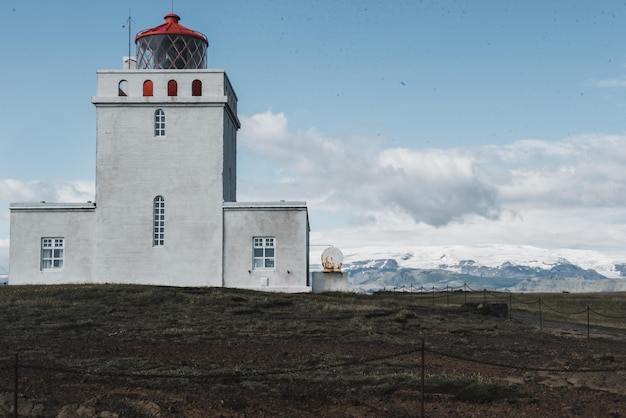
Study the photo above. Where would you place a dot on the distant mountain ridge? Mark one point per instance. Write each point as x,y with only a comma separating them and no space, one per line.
497,268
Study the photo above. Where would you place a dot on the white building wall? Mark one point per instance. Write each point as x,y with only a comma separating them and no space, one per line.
185,167
287,223
208,236
32,222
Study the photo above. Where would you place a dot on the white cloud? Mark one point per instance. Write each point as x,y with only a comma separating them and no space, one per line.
611,82
430,186
434,186
531,192
51,191
603,230
586,171
266,127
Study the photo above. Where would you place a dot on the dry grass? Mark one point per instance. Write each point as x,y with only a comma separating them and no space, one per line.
251,348
605,309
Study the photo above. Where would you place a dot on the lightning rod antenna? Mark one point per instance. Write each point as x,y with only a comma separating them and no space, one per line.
129,35
129,24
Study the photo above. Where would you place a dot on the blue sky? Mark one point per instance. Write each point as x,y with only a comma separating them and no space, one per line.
399,122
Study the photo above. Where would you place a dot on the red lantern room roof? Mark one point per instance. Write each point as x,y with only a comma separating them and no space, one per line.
172,27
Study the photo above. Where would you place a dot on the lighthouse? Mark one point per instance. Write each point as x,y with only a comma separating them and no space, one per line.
165,161
165,209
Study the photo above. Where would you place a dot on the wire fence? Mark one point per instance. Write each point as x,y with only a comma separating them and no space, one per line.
542,309
20,368
23,369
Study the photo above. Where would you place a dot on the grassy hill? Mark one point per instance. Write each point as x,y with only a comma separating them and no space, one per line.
142,351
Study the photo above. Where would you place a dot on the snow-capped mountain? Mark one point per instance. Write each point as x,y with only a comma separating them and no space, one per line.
492,267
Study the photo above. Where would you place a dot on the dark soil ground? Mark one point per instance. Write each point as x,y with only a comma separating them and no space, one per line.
137,351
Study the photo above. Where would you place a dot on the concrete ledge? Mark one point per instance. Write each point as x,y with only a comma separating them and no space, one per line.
330,282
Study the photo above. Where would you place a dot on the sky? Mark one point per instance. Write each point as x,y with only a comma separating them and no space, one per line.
400,123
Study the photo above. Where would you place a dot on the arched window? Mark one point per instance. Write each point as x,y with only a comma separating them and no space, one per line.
158,228
196,88
148,88
172,88
122,88
159,123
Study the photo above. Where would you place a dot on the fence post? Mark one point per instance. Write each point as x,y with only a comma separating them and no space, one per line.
433,295
464,292
485,295
16,385
587,323
510,304
540,318
447,295
422,378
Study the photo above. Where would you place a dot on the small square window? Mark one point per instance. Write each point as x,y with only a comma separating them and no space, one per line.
52,253
264,255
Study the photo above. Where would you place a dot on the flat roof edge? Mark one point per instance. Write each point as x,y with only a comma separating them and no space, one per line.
160,70
264,205
207,101
51,206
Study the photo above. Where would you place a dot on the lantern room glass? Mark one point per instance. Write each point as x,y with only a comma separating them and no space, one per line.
169,51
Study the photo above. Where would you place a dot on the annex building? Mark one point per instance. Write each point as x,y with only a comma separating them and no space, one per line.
165,210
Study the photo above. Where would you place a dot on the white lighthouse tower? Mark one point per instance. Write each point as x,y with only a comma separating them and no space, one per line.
165,210
166,147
